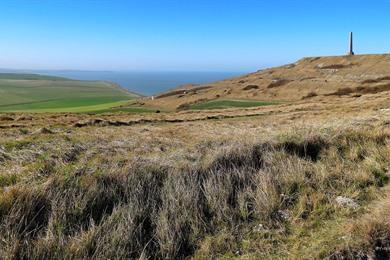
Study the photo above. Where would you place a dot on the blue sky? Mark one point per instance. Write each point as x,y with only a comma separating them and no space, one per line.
201,35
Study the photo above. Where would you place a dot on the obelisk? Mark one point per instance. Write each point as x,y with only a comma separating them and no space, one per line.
351,44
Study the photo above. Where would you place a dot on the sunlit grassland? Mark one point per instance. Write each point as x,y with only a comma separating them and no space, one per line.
26,93
221,104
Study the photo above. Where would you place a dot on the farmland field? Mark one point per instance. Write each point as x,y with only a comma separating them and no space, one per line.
36,93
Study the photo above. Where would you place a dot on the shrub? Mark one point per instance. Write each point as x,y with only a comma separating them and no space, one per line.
278,83
250,87
310,95
343,91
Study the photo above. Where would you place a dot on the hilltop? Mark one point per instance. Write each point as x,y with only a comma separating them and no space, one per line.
41,93
318,78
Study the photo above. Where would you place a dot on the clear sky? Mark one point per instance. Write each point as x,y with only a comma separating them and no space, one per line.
201,35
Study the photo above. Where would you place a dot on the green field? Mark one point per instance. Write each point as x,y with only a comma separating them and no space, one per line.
127,109
37,93
221,104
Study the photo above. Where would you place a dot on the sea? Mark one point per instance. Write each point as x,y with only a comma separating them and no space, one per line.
145,83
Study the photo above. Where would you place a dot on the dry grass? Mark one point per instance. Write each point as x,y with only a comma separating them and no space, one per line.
368,235
87,197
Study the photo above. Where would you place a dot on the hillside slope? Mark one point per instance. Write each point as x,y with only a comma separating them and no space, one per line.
38,93
306,179
316,77
292,181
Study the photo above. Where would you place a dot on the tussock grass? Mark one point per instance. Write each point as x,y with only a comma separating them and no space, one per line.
369,234
255,199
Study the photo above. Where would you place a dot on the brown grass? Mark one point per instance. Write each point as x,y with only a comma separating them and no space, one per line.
119,209
369,234
324,75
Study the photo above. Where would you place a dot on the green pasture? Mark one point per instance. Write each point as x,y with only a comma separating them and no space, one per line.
37,93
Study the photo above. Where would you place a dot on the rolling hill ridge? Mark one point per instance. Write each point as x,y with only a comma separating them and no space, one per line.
309,78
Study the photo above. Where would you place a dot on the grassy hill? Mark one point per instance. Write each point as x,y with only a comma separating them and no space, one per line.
295,182
309,78
38,93
304,179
